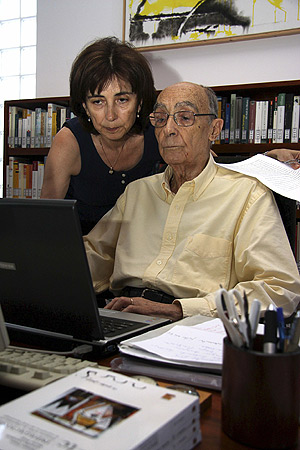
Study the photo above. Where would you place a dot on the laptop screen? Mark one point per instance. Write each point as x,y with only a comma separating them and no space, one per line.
45,281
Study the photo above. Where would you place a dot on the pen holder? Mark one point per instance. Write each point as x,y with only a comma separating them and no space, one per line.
260,396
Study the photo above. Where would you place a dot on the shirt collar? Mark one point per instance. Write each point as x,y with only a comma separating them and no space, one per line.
198,184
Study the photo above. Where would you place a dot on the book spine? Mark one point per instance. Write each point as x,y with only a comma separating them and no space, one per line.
29,181
232,118
9,192
252,113
274,139
11,128
15,179
289,98
270,121
40,178
280,117
245,120
227,123
32,136
295,120
21,179
43,128
238,120
258,115
264,120
63,117
38,123
35,179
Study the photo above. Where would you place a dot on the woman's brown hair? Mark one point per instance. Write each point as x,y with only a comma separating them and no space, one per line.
97,64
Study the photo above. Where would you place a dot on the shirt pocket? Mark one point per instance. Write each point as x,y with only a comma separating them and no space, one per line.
204,263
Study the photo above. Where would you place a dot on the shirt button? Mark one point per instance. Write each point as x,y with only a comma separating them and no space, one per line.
123,181
123,174
158,262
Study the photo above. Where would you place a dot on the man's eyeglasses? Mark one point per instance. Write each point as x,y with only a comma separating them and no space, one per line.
182,118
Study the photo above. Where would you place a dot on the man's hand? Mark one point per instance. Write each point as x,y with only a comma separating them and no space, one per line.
141,305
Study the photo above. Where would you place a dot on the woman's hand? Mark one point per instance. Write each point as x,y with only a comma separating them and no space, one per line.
285,155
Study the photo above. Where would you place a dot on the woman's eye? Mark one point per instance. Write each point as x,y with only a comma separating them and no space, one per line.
123,100
98,102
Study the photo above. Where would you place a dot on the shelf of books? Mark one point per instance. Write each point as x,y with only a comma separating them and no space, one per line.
258,117
30,126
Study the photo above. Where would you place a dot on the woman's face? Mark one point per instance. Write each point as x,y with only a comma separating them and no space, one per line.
113,110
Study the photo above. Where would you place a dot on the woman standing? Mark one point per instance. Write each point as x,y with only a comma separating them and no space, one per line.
110,142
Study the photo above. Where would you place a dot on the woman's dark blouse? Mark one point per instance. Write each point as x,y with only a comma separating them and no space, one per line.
95,190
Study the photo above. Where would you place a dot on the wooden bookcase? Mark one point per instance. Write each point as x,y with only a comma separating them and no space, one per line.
256,91
32,153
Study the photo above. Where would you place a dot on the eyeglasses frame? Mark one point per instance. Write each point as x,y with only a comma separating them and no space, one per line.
173,115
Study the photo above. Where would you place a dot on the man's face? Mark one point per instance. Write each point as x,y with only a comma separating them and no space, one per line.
178,145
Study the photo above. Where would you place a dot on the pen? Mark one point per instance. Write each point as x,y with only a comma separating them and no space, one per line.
254,316
294,334
247,320
270,336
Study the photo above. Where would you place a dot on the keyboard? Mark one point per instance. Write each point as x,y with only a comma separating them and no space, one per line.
113,327
29,370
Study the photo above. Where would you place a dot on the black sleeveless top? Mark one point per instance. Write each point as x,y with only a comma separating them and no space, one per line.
95,190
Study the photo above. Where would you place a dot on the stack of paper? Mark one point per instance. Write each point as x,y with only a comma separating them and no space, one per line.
276,175
95,408
198,346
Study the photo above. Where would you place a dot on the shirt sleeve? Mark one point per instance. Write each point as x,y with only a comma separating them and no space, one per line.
100,245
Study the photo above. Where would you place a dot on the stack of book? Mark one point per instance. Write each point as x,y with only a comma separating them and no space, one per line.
35,128
248,121
24,178
95,408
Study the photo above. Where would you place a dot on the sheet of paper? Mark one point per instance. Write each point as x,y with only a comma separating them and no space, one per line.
201,343
279,177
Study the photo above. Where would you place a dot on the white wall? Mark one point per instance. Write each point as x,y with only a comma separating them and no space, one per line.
65,26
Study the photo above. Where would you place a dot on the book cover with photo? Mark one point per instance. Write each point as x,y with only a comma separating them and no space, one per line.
96,408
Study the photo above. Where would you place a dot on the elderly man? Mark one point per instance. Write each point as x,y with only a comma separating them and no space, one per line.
172,239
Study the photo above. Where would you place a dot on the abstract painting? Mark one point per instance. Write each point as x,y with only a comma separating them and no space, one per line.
152,24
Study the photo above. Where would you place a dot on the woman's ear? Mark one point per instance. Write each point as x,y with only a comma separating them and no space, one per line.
216,127
86,110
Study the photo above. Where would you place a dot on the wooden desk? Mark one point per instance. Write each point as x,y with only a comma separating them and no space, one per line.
212,436
210,420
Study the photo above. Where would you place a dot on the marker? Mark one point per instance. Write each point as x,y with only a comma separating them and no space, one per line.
270,336
254,316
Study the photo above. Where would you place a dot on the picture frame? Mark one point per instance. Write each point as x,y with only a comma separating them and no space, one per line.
163,24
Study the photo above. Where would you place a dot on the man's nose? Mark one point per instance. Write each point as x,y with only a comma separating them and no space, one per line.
171,126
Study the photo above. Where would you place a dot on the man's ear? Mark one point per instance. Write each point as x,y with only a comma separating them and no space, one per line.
216,127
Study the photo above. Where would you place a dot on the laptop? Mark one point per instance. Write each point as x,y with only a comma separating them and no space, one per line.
46,288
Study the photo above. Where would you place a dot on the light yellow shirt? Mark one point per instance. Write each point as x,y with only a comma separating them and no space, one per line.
222,228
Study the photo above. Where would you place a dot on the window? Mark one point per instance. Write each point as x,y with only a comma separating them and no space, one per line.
17,56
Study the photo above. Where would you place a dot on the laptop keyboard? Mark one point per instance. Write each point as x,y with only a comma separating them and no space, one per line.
29,370
114,327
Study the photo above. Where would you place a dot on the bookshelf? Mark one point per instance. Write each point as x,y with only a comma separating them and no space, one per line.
256,91
24,148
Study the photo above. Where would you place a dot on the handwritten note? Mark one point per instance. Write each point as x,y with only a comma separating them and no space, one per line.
201,343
